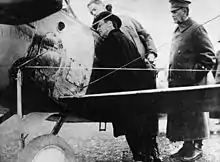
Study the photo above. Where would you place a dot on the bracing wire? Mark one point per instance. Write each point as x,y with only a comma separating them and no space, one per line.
210,20
123,66
122,69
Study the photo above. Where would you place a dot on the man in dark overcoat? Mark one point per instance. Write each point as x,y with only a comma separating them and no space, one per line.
116,51
131,28
192,56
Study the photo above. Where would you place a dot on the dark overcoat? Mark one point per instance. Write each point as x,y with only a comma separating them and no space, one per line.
114,52
192,56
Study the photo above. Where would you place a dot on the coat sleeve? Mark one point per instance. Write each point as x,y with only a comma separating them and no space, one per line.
145,38
206,59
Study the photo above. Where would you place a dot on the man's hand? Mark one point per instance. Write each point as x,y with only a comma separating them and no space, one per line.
151,57
150,61
150,64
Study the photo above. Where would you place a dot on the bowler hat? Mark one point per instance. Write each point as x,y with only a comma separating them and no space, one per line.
106,16
177,4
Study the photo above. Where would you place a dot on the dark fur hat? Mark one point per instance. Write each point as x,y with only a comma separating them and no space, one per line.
107,16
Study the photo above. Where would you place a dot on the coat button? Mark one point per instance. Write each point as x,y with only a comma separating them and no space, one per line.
178,52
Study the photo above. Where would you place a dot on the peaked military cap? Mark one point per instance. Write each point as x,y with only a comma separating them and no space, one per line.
176,4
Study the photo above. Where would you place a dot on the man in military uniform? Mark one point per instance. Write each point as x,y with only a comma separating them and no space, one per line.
217,68
192,56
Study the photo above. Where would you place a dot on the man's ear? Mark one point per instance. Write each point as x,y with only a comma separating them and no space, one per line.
110,23
185,10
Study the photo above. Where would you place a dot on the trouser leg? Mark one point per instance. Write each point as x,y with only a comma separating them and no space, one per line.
143,146
133,143
150,148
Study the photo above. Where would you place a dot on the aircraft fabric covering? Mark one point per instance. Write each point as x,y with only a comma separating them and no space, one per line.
58,61
59,77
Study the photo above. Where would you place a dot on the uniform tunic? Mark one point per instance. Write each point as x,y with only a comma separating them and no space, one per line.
217,74
190,49
138,35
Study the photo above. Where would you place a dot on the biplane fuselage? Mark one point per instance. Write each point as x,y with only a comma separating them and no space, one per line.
51,61
77,45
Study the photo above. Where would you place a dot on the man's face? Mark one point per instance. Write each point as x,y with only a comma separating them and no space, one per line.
178,15
96,9
103,28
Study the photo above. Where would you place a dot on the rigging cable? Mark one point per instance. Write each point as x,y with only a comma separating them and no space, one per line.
134,60
110,73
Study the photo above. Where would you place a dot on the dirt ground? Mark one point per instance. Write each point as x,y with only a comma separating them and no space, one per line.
91,145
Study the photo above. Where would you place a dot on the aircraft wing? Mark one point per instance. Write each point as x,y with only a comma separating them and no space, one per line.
107,106
16,12
193,98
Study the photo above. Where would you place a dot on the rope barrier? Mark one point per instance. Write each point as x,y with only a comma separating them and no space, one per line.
147,53
121,69
127,63
123,66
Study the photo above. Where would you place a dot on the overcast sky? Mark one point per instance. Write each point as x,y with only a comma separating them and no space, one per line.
156,18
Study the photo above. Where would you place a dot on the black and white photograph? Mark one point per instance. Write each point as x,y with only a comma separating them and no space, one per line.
109,81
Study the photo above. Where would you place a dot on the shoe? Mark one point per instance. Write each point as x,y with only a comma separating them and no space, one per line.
137,158
157,160
148,151
192,155
143,158
146,158
180,153
198,144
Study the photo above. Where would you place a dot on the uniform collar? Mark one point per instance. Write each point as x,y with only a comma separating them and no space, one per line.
185,25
